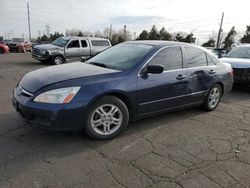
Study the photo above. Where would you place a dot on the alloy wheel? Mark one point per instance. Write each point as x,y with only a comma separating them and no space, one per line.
58,60
106,119
214,97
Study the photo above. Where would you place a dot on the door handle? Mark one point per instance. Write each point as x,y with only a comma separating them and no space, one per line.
180,77
212,72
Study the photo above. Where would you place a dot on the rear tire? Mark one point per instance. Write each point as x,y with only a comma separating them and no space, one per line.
107,118
213,97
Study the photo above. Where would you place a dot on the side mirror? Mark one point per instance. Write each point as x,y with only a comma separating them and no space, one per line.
155,69
84,58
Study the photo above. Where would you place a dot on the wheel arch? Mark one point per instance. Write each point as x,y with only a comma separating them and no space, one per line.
120,95
222,87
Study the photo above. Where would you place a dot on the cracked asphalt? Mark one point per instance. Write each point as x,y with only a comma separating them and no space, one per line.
189,148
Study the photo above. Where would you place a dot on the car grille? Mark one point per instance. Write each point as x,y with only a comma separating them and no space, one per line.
22,92
36,51
238,73
12,45
242,75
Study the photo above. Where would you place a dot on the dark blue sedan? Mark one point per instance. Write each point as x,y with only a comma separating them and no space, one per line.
127,82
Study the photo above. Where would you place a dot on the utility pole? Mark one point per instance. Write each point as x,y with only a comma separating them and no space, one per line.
28,10
110,32
219,33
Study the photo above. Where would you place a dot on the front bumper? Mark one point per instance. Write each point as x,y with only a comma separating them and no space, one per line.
41,57
57,117
14,48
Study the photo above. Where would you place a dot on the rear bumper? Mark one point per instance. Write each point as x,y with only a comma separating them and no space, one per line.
56,117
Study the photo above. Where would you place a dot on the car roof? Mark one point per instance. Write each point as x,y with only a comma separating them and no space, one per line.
79,38
160,43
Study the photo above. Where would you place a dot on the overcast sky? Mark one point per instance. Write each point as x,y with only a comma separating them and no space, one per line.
201,17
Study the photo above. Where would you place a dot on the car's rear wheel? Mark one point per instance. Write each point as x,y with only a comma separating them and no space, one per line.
213,97
107,118
57,60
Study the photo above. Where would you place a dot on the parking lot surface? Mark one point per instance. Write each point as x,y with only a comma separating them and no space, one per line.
189,148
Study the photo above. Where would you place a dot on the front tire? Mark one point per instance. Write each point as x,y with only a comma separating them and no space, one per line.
107,118
58,60
213,97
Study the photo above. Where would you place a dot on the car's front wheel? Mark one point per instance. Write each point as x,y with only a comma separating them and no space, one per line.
107,118
213,97
57,60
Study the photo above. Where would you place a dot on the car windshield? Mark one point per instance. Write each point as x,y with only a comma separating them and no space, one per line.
239,52
60,42
18,39
121,57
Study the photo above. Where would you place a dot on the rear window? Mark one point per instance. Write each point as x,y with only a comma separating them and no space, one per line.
100,43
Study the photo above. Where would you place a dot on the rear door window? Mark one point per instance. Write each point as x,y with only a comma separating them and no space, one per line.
195,57
84,43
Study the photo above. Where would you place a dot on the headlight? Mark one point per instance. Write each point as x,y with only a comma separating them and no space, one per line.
53,51
43,52
58,96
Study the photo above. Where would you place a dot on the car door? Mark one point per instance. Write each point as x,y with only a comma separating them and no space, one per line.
198,73
72,50
159,92
85,48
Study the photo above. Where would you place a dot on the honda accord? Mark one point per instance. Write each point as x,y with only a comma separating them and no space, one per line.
127,82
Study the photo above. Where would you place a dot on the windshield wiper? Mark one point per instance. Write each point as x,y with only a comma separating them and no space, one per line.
98,64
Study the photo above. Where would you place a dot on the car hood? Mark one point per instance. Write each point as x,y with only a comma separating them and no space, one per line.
37,79
14,42
47,47
237,62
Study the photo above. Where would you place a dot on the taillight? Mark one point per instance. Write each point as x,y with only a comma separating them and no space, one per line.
231,73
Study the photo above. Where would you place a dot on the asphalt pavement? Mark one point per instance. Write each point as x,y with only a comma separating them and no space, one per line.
188,148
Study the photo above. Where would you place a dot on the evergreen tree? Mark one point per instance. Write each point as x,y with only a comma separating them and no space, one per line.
143,35
80,34
55,36
179,38
164,35
190,38
209,43
229,40
246,37
153,34
44,38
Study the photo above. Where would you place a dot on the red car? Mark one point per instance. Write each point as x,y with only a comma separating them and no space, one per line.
4,49
20,45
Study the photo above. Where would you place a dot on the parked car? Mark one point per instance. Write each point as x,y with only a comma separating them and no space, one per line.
127,82
20,45
4,48
239,58
69,48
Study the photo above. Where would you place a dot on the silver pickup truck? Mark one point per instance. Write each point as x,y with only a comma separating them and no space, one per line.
69,49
